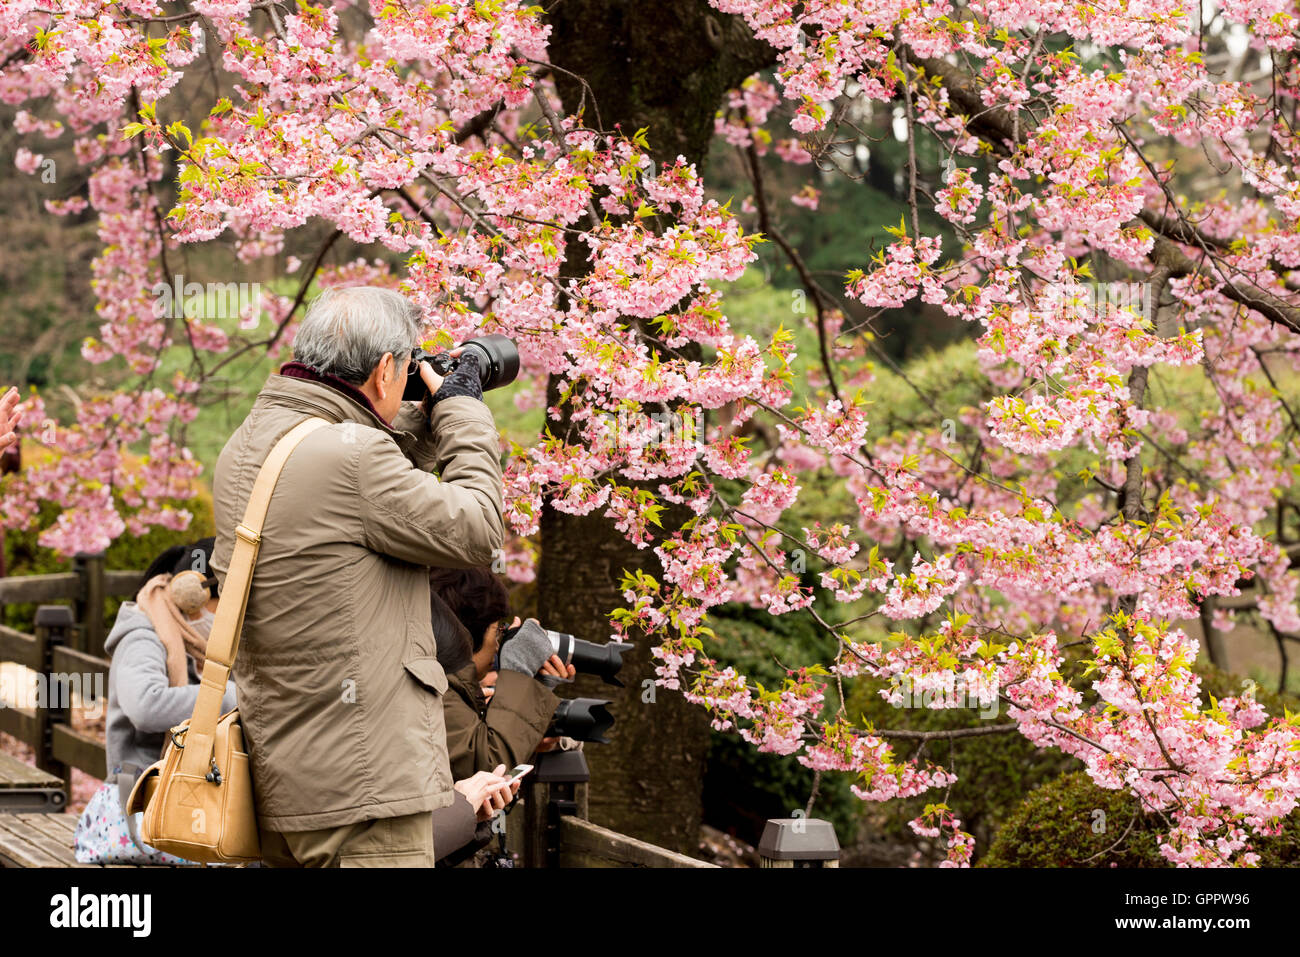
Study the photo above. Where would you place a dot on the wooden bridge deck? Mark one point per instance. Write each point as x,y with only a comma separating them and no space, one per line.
38,840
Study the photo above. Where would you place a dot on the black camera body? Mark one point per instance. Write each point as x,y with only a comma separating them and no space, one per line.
498,364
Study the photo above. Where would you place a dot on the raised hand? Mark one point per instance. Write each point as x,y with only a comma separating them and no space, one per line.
9,418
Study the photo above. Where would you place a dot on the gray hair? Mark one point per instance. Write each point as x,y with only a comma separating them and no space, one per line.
347,331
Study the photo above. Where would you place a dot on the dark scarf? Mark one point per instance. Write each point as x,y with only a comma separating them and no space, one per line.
296,370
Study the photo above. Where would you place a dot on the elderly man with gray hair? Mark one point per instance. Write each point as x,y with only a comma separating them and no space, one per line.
338,680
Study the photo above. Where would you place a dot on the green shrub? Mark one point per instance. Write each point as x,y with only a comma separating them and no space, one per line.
996,772
743,787
1057,826
1053,827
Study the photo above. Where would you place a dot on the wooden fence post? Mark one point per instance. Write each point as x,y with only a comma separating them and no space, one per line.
54,623
534,843
558,787
90,602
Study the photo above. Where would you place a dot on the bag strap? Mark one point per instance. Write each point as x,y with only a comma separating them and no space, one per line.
126,779
223,642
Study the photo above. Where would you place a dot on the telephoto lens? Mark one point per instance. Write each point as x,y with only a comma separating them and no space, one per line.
583,719
589,658
498,364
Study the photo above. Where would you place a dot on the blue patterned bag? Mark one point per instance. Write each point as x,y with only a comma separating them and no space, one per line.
104,836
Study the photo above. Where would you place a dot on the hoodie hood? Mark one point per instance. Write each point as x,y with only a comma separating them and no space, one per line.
130,617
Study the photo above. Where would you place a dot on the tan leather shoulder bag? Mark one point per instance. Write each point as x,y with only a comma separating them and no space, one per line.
198,799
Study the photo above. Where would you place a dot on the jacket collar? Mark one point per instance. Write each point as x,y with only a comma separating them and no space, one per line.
465,682
318,398
297,370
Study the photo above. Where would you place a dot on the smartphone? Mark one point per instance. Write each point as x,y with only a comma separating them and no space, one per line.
517,772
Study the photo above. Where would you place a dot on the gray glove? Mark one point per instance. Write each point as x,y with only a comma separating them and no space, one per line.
527,649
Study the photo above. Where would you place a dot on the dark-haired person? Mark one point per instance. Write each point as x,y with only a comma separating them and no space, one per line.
467,607
156,649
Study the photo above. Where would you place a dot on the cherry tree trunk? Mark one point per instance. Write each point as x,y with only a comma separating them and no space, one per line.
662,66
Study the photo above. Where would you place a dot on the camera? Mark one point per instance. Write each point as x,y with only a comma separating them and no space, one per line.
498,364
587,657
583,719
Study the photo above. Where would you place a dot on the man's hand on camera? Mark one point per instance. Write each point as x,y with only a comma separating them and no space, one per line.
463,380
432,383
487,791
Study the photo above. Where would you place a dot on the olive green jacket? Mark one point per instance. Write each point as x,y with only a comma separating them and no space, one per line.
338,681
481,735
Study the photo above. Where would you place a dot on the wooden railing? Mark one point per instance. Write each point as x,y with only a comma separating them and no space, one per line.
67,642
583,844
555,831
88,587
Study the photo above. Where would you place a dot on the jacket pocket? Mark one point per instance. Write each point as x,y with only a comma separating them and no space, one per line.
420,658
427,671
421,663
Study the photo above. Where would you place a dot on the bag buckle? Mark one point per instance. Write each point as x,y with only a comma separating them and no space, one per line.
175,743
247,534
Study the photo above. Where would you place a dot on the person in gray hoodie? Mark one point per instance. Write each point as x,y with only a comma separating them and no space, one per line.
148,692
156,649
